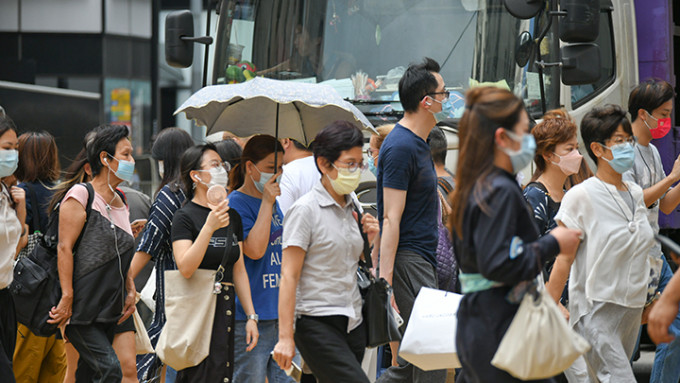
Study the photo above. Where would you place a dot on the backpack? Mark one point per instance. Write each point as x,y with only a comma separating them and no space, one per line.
35,287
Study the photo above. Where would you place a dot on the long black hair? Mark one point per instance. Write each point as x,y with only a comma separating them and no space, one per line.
191,160
168,147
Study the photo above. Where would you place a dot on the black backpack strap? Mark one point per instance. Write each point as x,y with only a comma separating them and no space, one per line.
367,251
88,210
225,256
122,196
34,208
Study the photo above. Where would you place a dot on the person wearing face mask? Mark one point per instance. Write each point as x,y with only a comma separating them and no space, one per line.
408,202
650,105
609,276
201,232
97,291
374,144
499,247
12,214
557,157
254,194
155,244
322,246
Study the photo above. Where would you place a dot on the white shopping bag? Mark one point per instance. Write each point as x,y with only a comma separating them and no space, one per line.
429,342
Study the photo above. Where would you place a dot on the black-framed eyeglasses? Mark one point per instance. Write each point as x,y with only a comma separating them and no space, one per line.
353,166
446,93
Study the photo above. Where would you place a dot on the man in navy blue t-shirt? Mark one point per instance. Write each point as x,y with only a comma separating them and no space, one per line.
407,202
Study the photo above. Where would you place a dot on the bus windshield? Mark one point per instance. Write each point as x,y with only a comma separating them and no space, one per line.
362,47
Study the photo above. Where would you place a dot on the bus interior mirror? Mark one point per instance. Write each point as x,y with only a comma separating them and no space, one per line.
525,49
581,22
524,9
580,64
179,53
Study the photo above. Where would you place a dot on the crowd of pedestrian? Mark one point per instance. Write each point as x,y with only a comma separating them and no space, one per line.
275,228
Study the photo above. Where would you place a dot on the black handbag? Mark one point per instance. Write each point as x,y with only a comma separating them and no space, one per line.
378,315
35,287
37,234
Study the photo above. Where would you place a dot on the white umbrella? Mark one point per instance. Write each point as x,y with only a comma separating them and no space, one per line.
263,106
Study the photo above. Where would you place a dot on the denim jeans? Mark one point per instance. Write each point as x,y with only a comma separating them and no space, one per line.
254,366
98,362
666,368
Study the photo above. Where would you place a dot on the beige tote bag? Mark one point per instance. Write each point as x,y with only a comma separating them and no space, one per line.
190,311
142,341
539,343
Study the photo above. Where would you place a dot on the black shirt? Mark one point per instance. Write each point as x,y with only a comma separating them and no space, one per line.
188,222
502,242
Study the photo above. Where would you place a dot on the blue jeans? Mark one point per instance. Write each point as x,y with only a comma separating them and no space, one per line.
98,361
666,367
254,366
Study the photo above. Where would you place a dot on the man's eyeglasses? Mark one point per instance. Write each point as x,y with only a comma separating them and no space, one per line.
353,166
446,93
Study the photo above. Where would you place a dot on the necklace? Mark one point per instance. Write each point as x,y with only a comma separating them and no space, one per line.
645,162
632,227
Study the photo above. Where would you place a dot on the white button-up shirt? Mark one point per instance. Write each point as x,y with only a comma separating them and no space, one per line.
329,235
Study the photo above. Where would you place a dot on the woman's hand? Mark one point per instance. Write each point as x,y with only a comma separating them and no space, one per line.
284,351
62,313
19,198
218,216
371,226
271,190
252,334
130,300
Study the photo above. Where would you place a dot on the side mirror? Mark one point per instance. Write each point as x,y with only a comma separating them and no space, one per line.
524,9
580,64
179,39
179,53
581,23
525,49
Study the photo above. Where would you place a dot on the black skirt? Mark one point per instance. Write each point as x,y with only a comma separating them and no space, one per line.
218,366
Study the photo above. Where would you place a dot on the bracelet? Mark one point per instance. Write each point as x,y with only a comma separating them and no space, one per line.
254,317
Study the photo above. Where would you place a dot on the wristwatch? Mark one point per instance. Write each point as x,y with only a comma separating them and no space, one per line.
254,317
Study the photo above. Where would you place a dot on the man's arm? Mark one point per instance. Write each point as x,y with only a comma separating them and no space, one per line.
394,201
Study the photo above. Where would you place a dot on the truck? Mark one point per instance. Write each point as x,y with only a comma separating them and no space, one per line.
571,54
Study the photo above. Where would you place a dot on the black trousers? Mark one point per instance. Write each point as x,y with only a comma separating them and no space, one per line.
333,355
8,335
98,362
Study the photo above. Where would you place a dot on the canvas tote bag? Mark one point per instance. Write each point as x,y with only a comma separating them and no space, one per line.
539,343
142,341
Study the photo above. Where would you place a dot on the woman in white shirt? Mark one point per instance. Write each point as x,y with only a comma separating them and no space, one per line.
608,280
321,250
12,214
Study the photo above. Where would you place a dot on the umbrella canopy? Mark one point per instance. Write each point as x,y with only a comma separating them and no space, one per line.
263,106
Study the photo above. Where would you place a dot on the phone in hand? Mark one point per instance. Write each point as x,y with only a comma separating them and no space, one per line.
139,222
294,371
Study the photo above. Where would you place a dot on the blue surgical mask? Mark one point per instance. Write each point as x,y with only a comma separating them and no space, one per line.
522,157
126,169
264,178
447,108
372,168
9,160
623,157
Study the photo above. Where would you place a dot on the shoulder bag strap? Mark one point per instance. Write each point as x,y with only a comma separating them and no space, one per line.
367,250
225,257
88,210
34,209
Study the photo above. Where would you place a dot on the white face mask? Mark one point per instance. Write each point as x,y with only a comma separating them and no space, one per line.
218,176
161,169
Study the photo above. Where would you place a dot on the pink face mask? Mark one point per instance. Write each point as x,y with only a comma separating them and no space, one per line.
569,163
663,126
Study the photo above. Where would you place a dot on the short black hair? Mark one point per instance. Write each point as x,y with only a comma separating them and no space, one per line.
438,145
6,124
299,145
600,123
191,160
417,82
168,147
649,95
335,138
105,140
